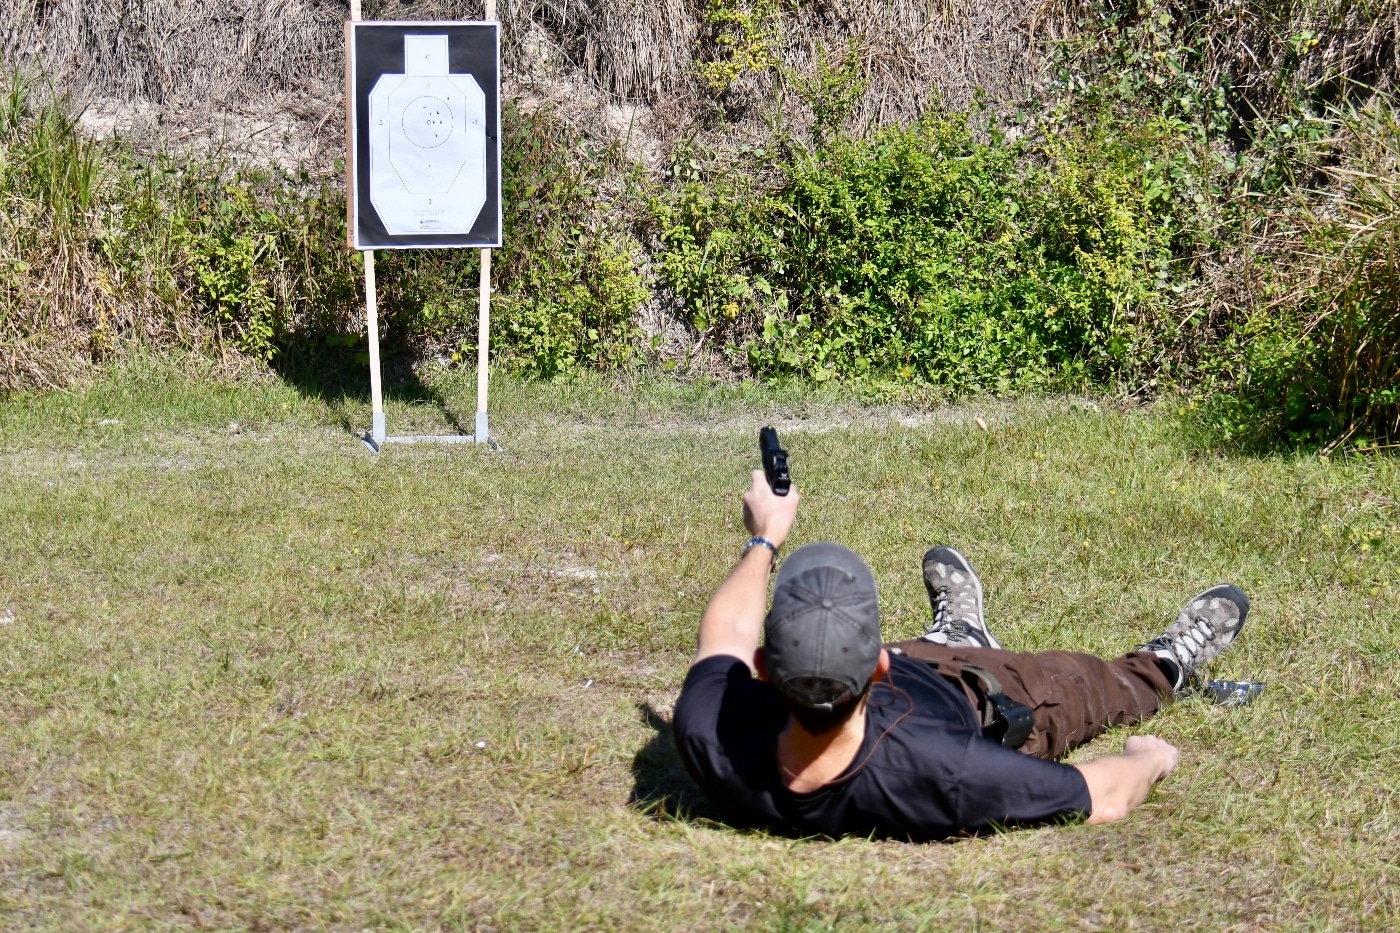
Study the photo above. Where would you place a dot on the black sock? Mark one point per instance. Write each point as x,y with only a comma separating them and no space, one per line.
1170,669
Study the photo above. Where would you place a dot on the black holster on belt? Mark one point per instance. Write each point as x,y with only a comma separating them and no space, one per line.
1003,719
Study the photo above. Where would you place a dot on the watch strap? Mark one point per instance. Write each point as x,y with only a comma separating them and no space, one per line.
759,541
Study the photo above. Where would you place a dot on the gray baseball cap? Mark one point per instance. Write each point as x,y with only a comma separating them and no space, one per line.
821,639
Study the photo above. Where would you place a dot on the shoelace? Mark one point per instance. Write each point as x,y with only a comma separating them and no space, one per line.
1187,644
943,620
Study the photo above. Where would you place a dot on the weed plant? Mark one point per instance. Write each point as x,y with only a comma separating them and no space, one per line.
49,179
1279,199
1321,359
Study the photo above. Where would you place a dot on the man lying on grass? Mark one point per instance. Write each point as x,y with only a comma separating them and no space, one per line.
923,739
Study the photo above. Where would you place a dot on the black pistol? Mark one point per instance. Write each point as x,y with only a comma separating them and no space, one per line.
775,462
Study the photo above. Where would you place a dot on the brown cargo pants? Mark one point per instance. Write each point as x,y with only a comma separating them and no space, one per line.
1073,697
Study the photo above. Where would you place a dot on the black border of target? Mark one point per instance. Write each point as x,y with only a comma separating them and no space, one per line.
376,48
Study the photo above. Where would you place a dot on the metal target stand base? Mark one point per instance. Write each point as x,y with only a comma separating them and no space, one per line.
376,439
378,435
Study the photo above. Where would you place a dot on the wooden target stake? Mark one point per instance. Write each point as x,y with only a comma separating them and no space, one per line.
483,324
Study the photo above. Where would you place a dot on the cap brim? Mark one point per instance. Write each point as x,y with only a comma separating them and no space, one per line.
824,554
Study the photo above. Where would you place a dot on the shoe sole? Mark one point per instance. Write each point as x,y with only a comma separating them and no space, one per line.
933,555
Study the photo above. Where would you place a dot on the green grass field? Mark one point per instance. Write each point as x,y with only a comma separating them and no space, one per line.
257,678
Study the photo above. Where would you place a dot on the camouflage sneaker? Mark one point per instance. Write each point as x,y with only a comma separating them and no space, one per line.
1206,626
955,594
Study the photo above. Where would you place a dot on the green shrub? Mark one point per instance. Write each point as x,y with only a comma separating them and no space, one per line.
923,253
265,257
570,287
566,284
100,246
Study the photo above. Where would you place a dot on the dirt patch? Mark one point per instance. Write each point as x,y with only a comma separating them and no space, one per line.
12,829
984,415
289,132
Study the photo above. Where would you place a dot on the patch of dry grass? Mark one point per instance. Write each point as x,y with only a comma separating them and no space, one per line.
259,679
213,74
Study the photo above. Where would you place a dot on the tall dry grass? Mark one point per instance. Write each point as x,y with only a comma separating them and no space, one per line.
246,54
1323,350
177,52
54,307
102,250
251,53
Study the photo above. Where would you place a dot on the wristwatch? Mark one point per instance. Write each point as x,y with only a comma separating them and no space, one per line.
757,541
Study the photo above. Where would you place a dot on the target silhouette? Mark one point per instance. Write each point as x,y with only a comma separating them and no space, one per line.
427,144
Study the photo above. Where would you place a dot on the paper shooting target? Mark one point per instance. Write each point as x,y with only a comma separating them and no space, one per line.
426,133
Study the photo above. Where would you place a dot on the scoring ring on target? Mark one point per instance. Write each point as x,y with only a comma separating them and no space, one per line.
427,122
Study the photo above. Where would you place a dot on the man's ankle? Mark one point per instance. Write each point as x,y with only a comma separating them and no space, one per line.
1170,670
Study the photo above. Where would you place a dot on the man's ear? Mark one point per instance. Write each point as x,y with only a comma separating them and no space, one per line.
882,665
759,664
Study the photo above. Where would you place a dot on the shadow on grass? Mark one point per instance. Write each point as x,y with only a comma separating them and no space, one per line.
336,372
663,789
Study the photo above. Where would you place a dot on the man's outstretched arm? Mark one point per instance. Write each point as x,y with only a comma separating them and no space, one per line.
1119,783
734,617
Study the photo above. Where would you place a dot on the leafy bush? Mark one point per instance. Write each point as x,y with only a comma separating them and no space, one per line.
263,255
566,284
923,253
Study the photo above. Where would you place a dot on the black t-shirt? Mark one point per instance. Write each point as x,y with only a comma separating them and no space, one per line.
928,775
